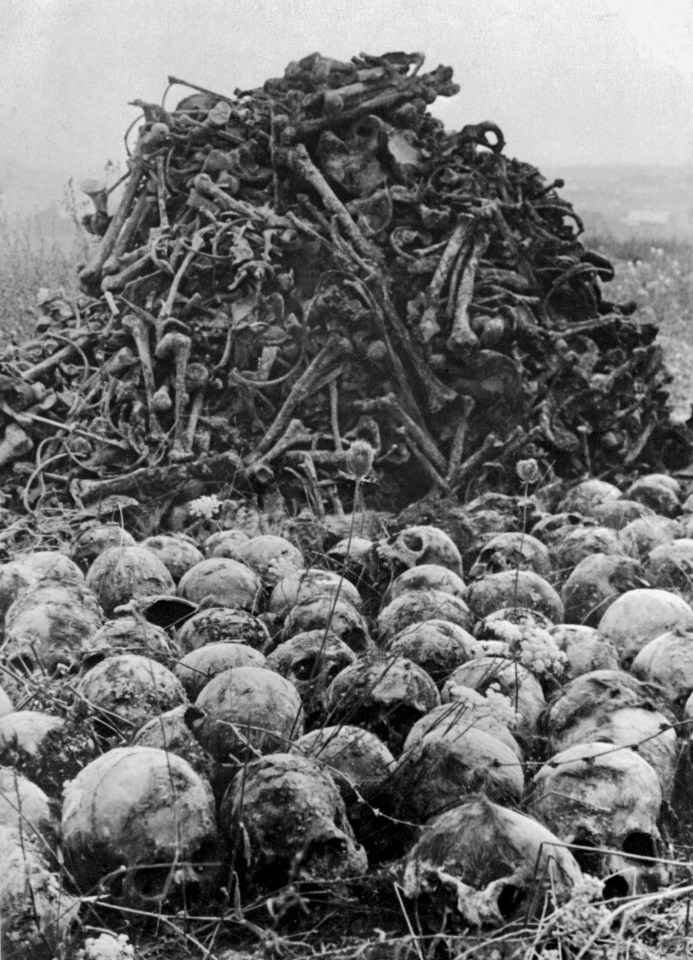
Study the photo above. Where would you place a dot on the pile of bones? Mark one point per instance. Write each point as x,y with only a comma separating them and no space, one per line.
476,722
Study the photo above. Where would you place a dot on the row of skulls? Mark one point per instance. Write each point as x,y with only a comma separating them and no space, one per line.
231,712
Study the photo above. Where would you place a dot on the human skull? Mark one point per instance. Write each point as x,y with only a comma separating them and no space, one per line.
469,710
419,606
596,582
667,661
615,707
177,553
657,493
48,749
438,646
171,731
127,634
29,570
588,493
580,542
511,680
670,567
449,763
38,914
509,588
144,809
512,551
639,537
640,615
421,544
230,583
617,514
311,660
306,584
96,537
121,573
45,627
222,624
493,863
360,764
383,694
286,820
126,690
596,796
246,710
585,649
271,557
426,576
24,807
553,528
197,668
329,612
225,543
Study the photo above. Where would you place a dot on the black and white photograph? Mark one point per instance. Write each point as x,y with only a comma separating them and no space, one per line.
346,480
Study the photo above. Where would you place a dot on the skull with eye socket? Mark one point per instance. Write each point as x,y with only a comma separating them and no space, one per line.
607,802
144,809
489,863
286,820
421,544
311,660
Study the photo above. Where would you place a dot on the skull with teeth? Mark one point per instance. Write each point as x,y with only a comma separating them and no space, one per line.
606,801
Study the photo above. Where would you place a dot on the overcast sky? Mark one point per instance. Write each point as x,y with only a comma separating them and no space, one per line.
568,81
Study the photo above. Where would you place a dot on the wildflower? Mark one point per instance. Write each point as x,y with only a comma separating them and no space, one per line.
359,459
501,706
527,470
107,947
205,507
539,652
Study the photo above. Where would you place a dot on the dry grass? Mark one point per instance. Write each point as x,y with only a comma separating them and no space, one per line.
31,258
658,276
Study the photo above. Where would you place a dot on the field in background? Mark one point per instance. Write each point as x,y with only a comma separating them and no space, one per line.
655,271
658,275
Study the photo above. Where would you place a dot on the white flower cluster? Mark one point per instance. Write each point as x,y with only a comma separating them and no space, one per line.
107,947
539,652
501,706
583,916
205,507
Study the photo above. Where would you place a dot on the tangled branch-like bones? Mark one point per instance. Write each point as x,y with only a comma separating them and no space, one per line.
315,261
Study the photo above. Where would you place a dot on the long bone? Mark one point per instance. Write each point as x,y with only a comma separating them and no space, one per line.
412,430
462,338
177,346
298,160
324,363
140,334
92,272
295,433
428,325
196,380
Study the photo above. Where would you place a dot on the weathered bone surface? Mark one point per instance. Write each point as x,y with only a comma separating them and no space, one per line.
596,796
490,863
286,821
145,809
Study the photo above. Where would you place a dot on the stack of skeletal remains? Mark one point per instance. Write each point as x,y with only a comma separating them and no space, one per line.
319,260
